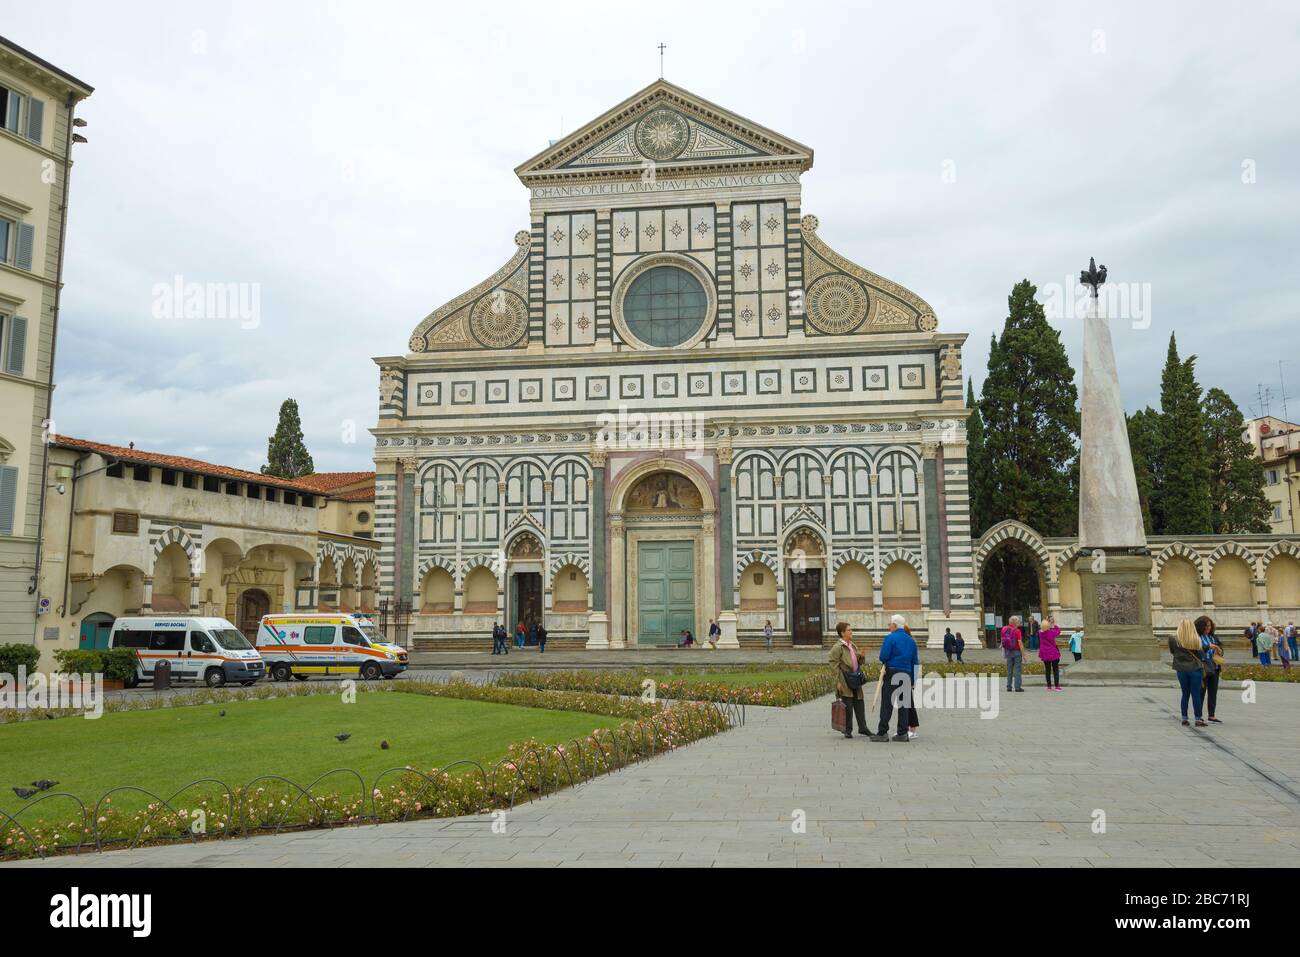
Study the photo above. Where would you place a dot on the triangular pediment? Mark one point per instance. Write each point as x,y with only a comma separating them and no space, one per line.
671,128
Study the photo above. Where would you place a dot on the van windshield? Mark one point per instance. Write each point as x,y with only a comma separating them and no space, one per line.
230,639
371,633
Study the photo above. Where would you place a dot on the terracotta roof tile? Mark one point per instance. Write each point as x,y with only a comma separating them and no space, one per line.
366,494
161,460
328,481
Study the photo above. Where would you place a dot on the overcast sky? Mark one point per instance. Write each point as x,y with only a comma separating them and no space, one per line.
352,162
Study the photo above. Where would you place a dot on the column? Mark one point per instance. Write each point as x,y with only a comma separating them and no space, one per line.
148,594
598,619
618,582
936,578
727,617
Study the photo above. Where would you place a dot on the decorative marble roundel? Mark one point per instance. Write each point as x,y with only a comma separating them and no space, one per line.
499,320
837,304
662,135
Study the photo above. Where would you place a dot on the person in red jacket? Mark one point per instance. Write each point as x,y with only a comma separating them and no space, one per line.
1013,651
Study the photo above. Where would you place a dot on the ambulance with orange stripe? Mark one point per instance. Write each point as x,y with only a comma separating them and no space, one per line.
211,650
298,646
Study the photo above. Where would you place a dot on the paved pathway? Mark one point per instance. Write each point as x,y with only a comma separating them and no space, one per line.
1020,789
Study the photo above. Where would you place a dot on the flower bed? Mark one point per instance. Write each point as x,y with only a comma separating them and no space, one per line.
210,808
656,685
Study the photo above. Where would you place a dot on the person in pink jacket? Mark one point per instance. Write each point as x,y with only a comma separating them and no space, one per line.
1050,654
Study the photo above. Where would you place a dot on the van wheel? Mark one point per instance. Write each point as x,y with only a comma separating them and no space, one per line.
370,671
215,678
131,682
281,672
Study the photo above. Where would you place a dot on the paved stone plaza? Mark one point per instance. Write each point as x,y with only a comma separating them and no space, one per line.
1020,789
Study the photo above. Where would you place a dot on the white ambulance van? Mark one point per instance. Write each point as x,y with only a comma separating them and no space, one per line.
302,645
211,650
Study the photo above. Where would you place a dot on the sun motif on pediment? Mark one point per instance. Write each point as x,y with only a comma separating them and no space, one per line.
662,134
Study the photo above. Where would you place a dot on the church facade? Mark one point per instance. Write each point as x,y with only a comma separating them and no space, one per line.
675,403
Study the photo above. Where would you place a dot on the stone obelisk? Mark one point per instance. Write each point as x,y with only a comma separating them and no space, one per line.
1114,564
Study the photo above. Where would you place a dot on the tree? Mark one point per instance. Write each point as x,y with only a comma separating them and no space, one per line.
286,453
1143,437
976,464
1236,486
1181,495
1030,415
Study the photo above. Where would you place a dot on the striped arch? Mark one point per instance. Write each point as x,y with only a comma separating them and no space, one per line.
1285,547
817,455
489,560
1178,550
899,555
743,457
436,561
1234,548
178,536
1006,531
1063,560
859,555
568,558
756,555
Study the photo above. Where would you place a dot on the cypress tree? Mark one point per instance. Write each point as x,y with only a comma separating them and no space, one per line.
976,464
1182,490
286,453
1143,434
1031,422
1237,500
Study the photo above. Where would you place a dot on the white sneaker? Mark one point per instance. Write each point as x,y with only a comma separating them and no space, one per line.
913,735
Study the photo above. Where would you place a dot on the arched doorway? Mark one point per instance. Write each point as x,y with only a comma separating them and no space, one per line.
1011,573
253,604
663,553
95,629
805,561
525,556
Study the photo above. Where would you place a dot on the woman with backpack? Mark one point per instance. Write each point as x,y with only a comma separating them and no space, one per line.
1050,655
1188,654
846,659
1013,651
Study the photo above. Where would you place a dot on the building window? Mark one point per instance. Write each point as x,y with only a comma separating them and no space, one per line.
8,499
363,517
665,306
126,523
22,115
1272,476
13,344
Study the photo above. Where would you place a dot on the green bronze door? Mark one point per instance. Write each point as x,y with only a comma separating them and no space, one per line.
665,592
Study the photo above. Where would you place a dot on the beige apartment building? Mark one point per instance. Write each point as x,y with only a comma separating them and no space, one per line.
128,531
37,102
1277,442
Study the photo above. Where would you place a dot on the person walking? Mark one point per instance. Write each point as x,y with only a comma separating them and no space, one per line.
1050,655
949,643
960,645
1076,644
1264,646
1187,651
1013,651
714,634
541,637
1213,655
899,660
847,662
767,634
1032,630
496,637
1292,639
1283,649
521,634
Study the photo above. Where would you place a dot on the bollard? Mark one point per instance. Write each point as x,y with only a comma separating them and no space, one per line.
162,675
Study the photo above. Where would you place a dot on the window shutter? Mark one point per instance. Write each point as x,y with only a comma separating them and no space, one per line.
128,522
8,498
17,345
35,118
11,113
26,241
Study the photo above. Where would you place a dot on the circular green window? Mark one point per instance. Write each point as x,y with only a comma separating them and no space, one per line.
665,306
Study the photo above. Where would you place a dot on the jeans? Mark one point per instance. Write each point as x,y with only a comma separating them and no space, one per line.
1291,643
1190,682
895,684
1078,655
496,644
1015,664
1265,659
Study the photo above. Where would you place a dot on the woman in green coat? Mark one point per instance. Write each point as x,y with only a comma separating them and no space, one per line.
845,658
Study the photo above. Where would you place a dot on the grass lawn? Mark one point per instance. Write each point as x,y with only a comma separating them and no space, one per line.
294,737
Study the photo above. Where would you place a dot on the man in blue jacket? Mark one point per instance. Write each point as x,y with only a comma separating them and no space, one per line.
899,658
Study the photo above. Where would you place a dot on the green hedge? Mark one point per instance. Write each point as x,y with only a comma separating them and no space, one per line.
13,657
115,663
